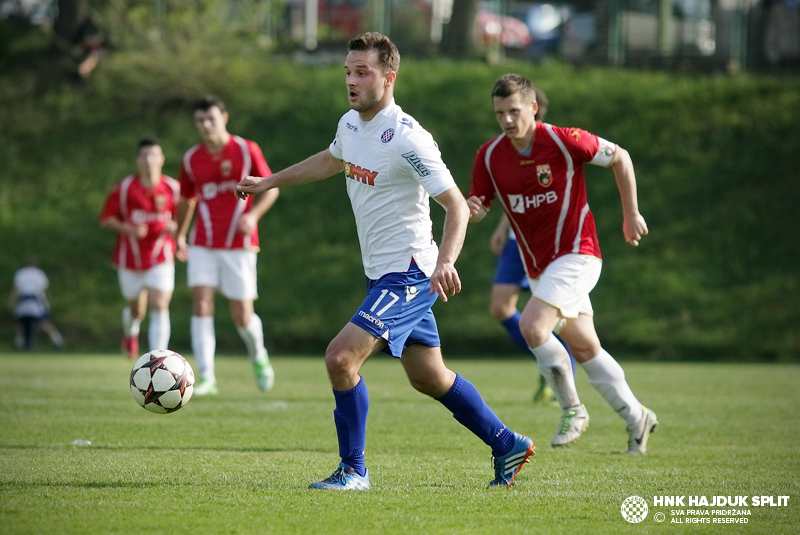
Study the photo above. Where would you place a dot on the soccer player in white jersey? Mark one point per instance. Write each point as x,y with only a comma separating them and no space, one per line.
141,211
535,171
392,167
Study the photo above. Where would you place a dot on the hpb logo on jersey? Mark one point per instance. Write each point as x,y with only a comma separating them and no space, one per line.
365,176
634,509
545,175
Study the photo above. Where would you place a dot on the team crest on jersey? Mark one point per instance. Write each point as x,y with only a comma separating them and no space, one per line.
545,175
226,166
354,172
387,135
160,202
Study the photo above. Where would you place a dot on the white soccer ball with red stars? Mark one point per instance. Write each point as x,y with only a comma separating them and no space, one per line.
162,381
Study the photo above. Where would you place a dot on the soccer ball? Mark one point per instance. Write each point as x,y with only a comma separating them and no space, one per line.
162,381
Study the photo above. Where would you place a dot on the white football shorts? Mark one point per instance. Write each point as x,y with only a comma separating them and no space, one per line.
566,283
159,277
232,272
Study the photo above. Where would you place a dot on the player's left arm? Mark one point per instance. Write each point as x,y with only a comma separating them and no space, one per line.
633,224
445,279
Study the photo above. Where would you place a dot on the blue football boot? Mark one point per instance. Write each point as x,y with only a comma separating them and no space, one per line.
344,478
508,466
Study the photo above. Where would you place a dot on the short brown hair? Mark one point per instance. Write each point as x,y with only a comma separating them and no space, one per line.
508,84
388,55
208,102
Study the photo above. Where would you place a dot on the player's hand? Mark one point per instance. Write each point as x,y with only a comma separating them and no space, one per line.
498,241
476,208
445,281
181,248
138,231
634,228
247,224
250,185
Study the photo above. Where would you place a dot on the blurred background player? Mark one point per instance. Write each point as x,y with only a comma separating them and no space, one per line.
141,210
536,170
221,251
31,308
392,167
510,279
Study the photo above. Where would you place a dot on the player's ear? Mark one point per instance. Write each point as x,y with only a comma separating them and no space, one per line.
225,117
391,77
535,108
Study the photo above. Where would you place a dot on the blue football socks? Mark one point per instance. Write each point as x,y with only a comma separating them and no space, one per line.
350,417
469,409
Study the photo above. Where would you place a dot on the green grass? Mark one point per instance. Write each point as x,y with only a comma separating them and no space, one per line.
241,462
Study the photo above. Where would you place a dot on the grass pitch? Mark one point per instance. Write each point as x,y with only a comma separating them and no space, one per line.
241,462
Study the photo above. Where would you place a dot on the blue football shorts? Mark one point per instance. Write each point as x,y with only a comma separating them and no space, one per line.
398,309
510,269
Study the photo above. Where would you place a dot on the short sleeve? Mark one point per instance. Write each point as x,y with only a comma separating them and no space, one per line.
481,181
336,145
260,166
187,183
111,207
419,158
606,152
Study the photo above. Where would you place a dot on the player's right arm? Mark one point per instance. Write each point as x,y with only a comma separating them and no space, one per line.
318,167
481,188
119,226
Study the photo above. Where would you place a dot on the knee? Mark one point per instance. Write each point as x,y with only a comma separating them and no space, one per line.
337,359
533,333
501,311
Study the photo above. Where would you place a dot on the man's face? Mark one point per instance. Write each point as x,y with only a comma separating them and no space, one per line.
368,88
212,124
150,160
515,115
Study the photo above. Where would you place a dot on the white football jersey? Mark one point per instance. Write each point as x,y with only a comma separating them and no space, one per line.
392,167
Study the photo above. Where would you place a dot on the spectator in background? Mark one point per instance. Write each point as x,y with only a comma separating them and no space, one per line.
31,308
140,210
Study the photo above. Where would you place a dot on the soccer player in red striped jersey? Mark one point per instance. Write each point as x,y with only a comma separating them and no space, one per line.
221,249
535,171
141,210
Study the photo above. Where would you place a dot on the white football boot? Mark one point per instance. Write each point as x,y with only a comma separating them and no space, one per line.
639,433
573,424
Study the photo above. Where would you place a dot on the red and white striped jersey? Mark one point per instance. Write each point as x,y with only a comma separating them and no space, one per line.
132,202
544,193
211,179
